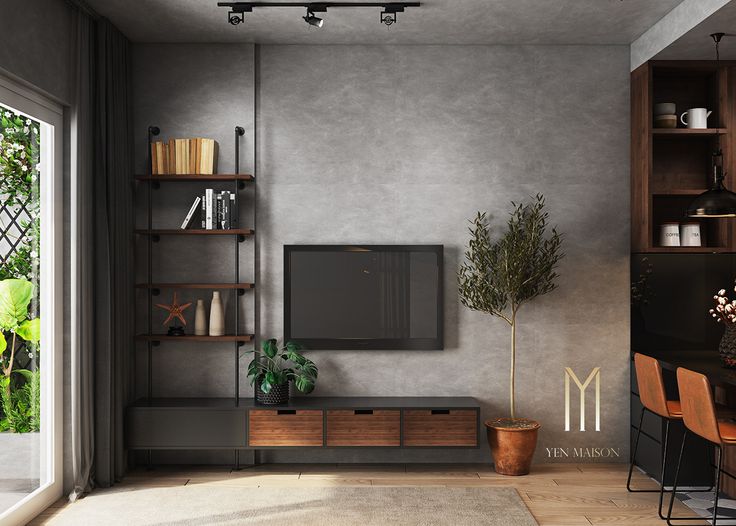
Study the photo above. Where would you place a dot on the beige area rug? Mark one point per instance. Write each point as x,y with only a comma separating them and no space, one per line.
204,505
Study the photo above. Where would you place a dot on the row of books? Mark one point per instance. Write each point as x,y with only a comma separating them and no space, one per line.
217,211
184,156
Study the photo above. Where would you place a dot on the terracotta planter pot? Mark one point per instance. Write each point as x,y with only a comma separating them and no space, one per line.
512,447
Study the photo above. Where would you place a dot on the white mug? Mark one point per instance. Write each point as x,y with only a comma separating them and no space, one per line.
690,235
697,118
669,235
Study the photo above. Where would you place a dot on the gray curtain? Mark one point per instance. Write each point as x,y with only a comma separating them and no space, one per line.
102,263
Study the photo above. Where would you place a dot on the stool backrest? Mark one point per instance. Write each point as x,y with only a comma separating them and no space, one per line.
698,409
651,385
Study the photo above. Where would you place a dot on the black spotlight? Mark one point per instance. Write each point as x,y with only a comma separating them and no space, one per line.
388,15
237,14
313,20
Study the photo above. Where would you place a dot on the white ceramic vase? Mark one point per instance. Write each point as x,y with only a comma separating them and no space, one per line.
200,319
217,316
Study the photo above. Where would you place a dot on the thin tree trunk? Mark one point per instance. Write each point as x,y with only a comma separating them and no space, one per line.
513,364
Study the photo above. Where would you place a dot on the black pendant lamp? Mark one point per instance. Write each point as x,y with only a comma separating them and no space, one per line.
718,201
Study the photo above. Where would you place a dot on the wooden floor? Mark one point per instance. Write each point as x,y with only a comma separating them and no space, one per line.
556,494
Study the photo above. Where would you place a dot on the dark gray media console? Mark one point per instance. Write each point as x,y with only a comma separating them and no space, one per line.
319,422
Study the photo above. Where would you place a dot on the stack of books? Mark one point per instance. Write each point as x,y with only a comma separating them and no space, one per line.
184,156
217,211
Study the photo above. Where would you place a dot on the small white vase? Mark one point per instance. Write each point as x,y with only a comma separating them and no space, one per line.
200,319
217,317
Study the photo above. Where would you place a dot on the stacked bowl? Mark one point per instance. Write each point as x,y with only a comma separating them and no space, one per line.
665,115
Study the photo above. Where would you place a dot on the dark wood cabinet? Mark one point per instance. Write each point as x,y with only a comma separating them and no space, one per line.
362,422
670,167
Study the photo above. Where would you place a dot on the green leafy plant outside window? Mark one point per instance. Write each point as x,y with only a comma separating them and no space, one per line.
19,269
19,388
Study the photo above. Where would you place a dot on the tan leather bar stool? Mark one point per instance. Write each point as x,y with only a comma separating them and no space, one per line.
699,417
654,399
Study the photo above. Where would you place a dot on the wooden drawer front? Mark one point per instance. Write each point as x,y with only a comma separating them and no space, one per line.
428,427
376,427
279,427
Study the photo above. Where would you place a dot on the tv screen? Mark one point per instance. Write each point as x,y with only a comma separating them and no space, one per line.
363,296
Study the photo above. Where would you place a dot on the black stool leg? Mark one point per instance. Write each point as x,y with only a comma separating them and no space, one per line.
633,458
664,465
674,483
719,467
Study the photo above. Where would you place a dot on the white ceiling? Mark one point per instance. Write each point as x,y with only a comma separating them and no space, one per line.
697,44
435,22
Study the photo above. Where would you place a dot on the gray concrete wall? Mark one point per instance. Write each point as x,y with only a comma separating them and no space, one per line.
35,44
403,144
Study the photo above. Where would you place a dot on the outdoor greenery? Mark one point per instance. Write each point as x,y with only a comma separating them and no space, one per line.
19,388
19,154
498,277
279,365
19,269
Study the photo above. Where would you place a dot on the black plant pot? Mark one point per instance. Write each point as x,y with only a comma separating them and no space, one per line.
279,394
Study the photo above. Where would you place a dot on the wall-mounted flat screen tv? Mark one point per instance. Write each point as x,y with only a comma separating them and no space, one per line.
363,296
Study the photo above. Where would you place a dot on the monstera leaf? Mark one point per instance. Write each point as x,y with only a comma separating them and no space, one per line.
15,296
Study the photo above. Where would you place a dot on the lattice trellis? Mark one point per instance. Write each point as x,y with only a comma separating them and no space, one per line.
15,226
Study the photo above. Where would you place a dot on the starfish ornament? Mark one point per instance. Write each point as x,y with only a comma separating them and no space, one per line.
175,310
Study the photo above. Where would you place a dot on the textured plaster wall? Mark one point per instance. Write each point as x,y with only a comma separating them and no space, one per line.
403,144
35,44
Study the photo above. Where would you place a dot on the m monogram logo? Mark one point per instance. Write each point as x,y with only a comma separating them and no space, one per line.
595,373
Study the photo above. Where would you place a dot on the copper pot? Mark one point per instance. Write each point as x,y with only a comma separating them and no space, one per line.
512,442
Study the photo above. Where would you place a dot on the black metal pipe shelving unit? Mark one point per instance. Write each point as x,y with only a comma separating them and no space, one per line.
154,422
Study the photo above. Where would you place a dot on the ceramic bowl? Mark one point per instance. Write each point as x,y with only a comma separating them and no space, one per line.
665,121
665,108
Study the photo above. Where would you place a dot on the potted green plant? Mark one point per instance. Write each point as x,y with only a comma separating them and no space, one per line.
19,394
498,277
276,367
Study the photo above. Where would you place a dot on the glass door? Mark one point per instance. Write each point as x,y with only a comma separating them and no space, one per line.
30,303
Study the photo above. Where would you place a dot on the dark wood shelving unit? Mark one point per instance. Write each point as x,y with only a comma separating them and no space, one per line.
210,286
687,131
194,338
195,177
671,166
195,232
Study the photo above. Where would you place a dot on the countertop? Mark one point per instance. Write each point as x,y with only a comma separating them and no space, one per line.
706,362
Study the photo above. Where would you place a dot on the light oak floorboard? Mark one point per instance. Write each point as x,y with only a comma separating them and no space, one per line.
556,494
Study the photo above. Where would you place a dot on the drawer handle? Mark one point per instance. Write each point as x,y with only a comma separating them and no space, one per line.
363,412
440,411
286,412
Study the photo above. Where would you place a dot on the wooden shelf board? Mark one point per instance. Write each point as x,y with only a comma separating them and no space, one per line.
687,250
196,285
195,232
678,191
687,131
193,338
195,177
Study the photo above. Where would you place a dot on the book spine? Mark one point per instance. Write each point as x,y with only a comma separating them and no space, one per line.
172,157
219,210
225,225
209,209
154,159
203,210
233,211
190,214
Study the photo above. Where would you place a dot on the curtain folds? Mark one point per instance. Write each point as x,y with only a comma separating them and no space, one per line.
102,254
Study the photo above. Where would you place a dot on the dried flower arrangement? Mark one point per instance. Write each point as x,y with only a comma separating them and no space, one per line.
725,309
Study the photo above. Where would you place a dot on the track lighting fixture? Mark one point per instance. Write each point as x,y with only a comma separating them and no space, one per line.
313,20
388,12
237,14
